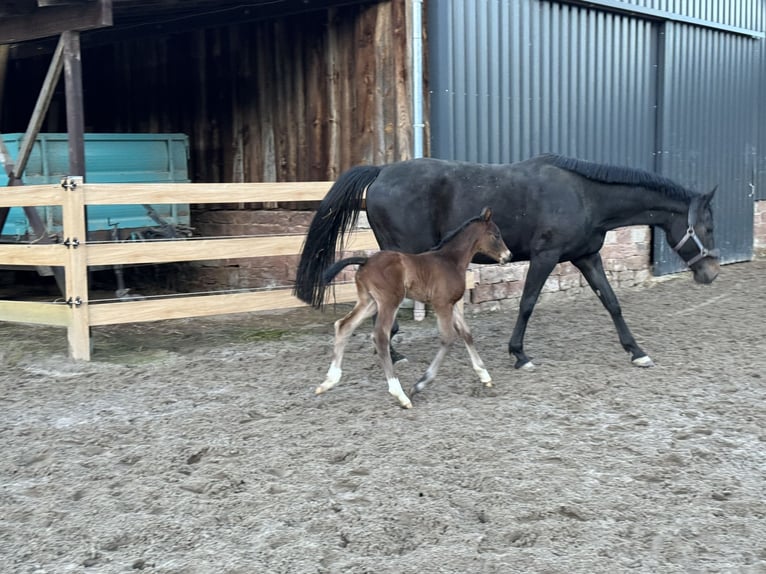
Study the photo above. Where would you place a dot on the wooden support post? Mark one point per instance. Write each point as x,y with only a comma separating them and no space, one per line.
75,119
38,114
76,269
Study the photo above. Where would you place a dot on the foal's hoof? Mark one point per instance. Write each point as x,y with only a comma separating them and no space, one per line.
644,361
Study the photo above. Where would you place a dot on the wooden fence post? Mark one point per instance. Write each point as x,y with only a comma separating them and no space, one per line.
76,271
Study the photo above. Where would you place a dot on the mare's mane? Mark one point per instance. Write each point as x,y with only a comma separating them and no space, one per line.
455,232
620,175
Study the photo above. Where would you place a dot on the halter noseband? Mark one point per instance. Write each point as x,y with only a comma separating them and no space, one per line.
691,234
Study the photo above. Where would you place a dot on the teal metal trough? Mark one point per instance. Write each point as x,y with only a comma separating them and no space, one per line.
109,158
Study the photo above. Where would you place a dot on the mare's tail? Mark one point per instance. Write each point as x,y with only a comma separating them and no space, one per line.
330,273
337,214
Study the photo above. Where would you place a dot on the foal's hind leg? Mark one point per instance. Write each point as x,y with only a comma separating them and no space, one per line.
382,338
447,335
462,329
344,327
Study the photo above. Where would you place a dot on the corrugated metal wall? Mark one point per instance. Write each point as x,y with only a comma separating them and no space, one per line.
671,86
513,79
708,135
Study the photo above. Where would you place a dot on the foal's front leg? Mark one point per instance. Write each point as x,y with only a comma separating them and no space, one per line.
382,338
447,335
462,328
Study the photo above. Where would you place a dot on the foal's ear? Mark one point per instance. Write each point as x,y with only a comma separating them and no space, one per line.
486,213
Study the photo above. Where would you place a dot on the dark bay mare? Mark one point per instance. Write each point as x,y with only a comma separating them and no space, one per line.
437,277
549,209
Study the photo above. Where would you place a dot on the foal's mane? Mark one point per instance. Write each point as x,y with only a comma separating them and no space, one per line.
455,232
621,175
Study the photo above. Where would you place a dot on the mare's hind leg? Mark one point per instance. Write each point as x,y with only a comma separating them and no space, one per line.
592,269
382,338
344,327
447,335
462,329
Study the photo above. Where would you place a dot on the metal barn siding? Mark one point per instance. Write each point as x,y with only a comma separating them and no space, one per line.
669,86
510,80
707,135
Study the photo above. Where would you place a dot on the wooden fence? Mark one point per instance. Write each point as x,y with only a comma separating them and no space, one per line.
78,314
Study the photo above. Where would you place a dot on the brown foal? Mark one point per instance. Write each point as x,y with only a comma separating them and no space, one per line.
436,277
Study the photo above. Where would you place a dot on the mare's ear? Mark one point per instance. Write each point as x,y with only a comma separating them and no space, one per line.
707,198
486,213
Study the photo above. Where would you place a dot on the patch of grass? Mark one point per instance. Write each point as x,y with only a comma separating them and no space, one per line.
255,335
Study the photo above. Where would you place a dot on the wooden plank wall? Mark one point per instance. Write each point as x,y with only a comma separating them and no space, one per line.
301,98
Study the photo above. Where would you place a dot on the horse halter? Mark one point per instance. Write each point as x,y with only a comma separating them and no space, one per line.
691,234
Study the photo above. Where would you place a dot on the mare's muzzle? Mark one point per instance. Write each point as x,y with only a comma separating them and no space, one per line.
702,250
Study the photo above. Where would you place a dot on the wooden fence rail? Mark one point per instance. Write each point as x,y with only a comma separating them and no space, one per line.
75,254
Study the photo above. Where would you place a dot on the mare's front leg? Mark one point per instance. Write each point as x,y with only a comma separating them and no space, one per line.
592,269
540,267
382,339
344,327
447,335
463,330
396,356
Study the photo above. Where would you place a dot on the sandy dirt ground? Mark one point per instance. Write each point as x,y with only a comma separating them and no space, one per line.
198,446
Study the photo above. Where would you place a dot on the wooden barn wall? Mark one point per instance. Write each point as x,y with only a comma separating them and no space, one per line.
296,99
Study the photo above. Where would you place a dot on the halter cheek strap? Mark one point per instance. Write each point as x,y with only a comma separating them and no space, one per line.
691,234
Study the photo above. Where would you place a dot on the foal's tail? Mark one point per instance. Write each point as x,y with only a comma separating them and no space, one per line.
330,273
337,214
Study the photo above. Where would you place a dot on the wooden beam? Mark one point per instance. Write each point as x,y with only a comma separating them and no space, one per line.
35,313
33,254
75,109
205,305
53,20
32,196
38,114
131,193
207,249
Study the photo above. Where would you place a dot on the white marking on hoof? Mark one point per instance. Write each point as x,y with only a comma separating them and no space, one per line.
488,384
331,379
644,361
484,377
529,366
395,388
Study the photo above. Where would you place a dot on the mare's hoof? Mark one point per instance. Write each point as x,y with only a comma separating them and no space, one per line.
489,384
644,361
397,357
528,366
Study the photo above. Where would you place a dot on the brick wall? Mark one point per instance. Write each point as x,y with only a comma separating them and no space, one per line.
626,256
759,229
626,261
